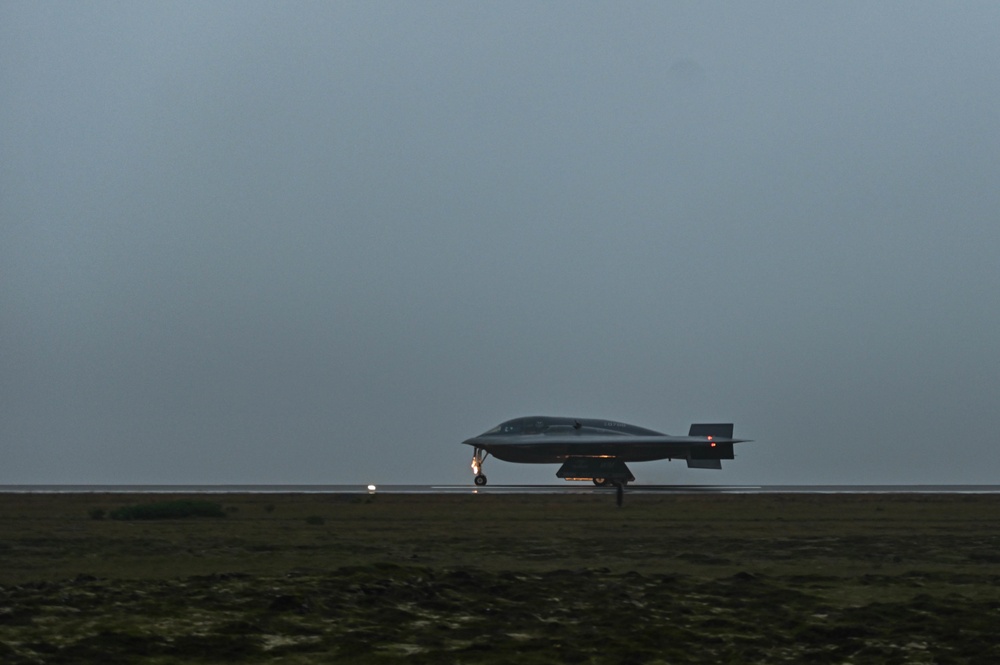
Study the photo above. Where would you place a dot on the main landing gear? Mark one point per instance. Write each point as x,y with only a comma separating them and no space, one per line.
605,482
478,457
618,484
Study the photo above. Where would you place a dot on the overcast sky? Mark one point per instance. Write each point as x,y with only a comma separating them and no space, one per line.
326,242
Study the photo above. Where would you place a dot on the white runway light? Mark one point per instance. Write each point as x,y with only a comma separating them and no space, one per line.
371,488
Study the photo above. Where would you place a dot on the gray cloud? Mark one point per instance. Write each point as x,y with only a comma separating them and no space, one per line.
305,243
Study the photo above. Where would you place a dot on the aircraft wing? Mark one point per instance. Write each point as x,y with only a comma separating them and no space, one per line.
543,448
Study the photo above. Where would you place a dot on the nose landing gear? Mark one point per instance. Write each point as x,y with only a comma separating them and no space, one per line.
478,457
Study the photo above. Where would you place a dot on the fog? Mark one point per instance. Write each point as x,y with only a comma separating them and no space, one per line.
305,242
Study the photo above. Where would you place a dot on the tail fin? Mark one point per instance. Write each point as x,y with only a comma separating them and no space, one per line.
721,430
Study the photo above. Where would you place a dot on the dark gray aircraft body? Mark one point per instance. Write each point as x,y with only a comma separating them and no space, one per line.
597,450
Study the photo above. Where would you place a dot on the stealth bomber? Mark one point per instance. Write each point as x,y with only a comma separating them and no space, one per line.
597,450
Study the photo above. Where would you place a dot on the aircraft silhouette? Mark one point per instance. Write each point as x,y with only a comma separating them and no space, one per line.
597,450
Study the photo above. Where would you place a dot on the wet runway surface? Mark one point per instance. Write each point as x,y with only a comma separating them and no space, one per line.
582,488
562,488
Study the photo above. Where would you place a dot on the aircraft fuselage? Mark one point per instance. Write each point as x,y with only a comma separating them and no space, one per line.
548,440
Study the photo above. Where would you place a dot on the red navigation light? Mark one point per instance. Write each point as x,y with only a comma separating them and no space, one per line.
712,445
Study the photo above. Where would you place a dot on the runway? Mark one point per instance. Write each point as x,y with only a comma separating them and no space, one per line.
562,488
725,489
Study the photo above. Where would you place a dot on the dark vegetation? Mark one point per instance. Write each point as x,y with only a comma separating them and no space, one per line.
497,579
168,510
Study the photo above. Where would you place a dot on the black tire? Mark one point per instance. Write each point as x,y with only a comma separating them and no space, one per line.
600,482
480,480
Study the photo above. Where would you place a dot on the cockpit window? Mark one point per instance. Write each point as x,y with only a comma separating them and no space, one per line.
535,426
521,426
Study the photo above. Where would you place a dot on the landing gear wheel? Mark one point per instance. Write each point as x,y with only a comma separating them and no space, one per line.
480,480
600,482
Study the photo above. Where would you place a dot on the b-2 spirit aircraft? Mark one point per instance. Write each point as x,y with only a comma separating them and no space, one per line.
597,450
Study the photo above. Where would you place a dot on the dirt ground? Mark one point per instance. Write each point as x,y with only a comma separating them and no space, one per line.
308,578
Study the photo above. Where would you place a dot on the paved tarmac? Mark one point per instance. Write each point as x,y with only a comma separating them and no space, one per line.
583,488
560,488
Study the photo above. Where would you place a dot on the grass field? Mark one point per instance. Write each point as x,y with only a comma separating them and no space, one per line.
503,578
